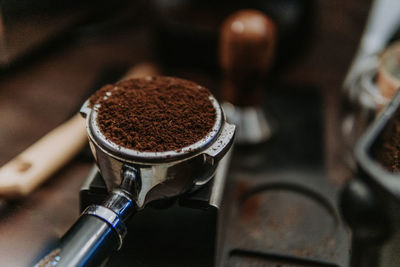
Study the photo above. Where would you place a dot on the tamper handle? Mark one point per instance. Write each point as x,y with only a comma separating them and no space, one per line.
247,48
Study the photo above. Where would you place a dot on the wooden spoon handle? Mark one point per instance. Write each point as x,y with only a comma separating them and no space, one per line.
25,172
37,163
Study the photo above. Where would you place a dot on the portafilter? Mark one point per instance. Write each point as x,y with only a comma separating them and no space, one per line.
134,179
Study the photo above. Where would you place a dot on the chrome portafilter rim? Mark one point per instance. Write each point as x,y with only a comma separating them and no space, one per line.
135,156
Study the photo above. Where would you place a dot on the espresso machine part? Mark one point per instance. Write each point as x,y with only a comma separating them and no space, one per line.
370,203
134,179
376,87
361,92
246,52
382,23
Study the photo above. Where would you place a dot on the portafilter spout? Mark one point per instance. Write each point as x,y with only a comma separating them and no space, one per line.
133,179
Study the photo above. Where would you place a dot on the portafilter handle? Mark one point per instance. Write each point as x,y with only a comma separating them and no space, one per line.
100,230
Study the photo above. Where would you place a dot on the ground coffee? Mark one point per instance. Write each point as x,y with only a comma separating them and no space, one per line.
154,113
387,148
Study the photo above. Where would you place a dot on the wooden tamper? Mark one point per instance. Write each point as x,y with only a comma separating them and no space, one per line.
246,51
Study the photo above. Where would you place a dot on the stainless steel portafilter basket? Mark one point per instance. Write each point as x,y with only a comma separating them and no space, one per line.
162,174
133,179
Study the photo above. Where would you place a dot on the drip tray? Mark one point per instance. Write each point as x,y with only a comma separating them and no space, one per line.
284,219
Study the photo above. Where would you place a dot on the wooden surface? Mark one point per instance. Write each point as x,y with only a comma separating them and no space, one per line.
40,94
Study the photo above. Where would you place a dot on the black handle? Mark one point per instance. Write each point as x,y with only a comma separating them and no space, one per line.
88,243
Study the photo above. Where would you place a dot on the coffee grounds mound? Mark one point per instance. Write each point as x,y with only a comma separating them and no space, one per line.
387,148
154,114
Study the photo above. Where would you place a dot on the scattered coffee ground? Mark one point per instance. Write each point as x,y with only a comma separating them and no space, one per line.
154,113
387,148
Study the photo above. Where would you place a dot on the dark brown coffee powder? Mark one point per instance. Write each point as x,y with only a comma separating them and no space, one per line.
387,148
154,113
